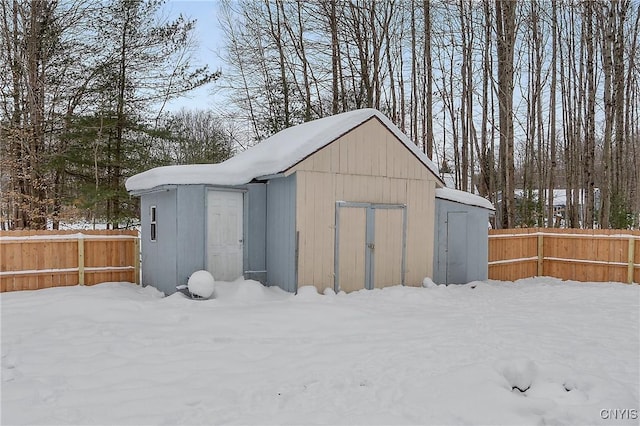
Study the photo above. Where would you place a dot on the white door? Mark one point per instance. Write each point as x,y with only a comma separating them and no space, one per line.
224,235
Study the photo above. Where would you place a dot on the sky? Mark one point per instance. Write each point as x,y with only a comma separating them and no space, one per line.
208,35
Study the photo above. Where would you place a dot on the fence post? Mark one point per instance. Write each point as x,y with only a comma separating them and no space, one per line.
137,260
540,254
631,258
80,258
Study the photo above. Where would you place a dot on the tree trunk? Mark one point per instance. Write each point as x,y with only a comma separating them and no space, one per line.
486,167
335,62
428,87
605,24
590,119
414,77
551,219
506,36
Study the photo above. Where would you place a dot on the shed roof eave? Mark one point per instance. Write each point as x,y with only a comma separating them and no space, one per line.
159,188
464,198
169,187
491,211
271,176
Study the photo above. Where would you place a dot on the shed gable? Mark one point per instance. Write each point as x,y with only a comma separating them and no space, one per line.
369,149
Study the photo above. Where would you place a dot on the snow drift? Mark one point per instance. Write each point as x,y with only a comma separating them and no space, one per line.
538,351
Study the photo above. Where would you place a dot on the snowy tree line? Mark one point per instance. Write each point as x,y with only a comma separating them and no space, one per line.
83,84
529,96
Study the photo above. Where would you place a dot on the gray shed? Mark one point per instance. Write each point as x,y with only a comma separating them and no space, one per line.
345,202
461,240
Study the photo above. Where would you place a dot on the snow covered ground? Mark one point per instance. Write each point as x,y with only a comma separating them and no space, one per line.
120,354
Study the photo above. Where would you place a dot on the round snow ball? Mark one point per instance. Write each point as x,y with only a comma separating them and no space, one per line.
201,284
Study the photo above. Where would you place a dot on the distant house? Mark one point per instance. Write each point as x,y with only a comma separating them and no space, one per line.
345,202
560,202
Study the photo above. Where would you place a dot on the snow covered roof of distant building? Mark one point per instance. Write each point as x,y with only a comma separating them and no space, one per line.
274,155
462,197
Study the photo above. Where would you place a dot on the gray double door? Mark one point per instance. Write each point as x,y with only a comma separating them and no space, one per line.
370,241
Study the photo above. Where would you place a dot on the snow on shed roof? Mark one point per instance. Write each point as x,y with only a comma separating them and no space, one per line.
273,155
462,197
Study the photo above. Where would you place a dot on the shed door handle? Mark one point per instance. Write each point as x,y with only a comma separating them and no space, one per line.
371,246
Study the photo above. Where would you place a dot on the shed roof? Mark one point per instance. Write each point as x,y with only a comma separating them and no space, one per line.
462,197
274,155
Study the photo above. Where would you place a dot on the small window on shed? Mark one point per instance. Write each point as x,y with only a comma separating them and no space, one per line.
154,226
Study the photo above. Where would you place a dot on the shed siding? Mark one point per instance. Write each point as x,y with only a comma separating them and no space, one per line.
371,150
315,223
281,233
191,224
159,263
369,165
420,235
477,253
255,235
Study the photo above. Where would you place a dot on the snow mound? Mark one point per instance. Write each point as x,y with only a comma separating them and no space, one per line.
428,283
248,291
307,292
329,292
151,291
520,374
201,283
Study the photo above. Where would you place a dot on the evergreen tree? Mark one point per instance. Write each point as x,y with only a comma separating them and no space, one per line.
81,112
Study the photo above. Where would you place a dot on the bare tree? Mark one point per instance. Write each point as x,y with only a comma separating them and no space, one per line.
428,81
552,119
506,37
590,111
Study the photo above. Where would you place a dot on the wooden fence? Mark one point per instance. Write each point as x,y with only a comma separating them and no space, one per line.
31,260
569,254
